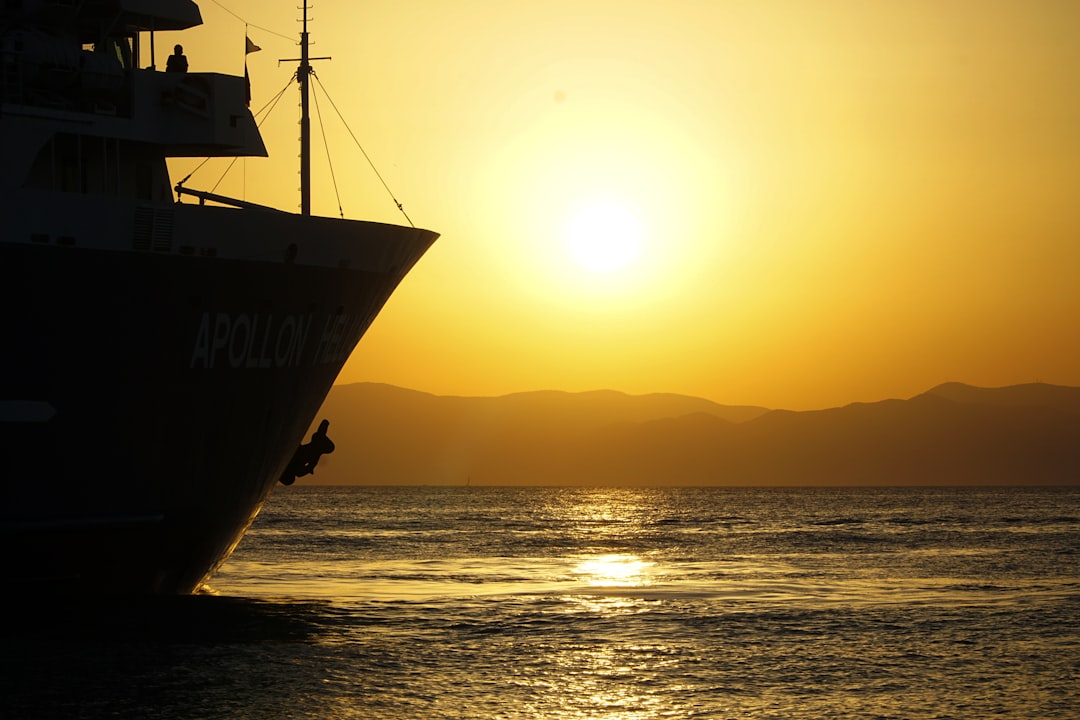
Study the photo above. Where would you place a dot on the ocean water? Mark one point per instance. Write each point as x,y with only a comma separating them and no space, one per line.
594,603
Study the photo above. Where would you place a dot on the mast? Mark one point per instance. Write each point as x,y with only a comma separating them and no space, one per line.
302,76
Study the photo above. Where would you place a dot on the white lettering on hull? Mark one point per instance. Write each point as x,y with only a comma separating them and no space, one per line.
336,341
246,340
254,341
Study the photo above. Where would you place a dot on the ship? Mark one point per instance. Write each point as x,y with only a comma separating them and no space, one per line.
164,351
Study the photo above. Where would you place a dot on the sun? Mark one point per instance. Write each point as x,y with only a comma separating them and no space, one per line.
604,237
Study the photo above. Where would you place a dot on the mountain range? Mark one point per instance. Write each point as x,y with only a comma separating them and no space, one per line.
953,434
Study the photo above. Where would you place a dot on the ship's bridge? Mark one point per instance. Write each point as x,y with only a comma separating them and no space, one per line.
78,62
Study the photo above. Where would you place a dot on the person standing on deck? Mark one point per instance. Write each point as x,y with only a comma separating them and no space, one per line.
177,61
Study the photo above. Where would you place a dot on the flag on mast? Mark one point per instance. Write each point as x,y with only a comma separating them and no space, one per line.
249,47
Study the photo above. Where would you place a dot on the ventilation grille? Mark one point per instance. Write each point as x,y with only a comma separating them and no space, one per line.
153,230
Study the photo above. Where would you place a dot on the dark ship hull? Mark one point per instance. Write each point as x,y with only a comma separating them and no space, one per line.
160,362
152,392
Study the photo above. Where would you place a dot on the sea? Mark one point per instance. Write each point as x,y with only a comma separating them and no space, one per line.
578,603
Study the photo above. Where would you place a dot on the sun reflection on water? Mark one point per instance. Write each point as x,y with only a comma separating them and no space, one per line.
609,680
615,571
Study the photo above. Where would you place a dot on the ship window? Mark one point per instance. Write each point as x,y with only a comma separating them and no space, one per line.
144,181
41,172
144,174
120,48
92,165
77,164
68,176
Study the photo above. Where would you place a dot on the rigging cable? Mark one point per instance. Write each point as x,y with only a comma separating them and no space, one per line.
252,24
271,105
274,100
326,145
366,157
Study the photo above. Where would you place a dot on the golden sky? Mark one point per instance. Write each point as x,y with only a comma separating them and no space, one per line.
772,202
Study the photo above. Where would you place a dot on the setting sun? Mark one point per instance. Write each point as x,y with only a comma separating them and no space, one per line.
604,237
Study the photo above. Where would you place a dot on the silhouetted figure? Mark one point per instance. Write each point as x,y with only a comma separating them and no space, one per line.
177,62
307,455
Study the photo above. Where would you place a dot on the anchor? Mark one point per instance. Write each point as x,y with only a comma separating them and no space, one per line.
307,455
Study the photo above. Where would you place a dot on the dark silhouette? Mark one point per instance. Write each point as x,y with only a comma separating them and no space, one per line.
177,61
307,455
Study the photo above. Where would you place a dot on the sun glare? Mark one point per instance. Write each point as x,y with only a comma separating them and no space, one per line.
604,237
615,571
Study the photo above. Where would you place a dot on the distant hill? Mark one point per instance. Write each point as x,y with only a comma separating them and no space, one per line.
953,434
1029,395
